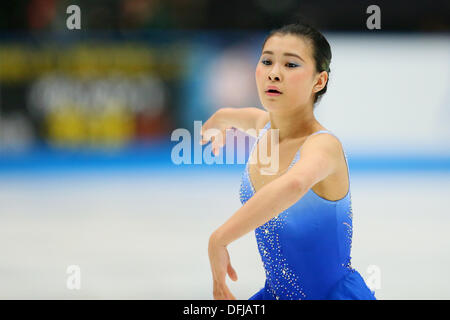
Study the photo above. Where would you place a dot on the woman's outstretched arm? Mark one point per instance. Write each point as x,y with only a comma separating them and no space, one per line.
320,154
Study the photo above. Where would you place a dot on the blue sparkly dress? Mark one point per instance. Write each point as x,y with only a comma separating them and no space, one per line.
305,249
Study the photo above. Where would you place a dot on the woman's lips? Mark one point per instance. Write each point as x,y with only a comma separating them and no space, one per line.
273,91
273,94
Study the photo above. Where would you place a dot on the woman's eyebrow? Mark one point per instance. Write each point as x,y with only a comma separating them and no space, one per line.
288,54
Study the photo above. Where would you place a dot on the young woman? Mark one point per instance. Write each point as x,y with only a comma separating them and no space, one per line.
302,213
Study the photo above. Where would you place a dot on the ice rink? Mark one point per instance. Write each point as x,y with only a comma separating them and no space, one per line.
143,234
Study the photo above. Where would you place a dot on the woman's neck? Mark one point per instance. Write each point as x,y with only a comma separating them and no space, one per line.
293,125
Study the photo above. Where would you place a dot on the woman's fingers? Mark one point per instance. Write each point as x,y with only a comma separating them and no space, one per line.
206,131
213,132
227,293
219,293
232,273
222,292
214,145
216,137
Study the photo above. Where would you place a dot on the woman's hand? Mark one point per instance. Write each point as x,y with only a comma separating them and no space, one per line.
247,120
214,130
220,266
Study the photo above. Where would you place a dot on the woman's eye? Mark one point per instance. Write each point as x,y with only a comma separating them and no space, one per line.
289,64
292,65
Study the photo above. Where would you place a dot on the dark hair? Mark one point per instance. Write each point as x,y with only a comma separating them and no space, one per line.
320,46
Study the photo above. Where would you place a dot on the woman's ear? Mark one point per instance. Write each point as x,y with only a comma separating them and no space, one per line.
321,81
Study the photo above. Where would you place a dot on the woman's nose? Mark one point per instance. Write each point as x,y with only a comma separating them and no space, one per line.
274,77
274,74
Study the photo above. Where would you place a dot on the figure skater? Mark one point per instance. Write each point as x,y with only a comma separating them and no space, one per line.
302,213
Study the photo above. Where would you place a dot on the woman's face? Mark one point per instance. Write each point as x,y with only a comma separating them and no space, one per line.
286,62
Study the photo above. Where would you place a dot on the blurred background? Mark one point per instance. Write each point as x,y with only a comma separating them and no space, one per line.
86,118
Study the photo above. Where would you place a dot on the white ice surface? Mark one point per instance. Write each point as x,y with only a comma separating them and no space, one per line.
144,235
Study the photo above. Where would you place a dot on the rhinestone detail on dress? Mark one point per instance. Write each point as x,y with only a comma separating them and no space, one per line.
275,265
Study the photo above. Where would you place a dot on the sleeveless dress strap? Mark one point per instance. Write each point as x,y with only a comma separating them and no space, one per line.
261,132
323,131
